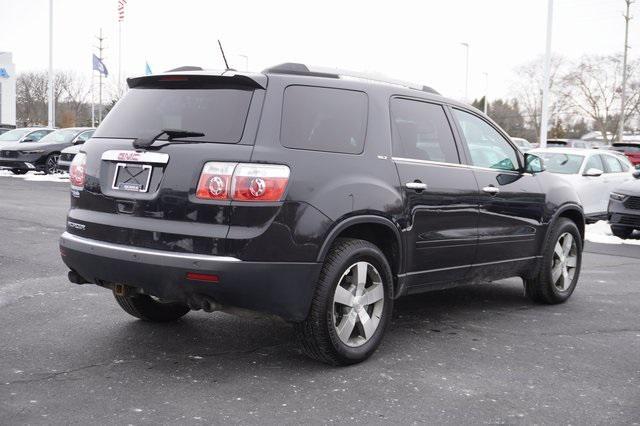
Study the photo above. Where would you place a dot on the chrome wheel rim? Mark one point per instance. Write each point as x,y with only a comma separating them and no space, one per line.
52,164
565,262
357,304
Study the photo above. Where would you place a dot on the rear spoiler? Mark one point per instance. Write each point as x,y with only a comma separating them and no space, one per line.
199,79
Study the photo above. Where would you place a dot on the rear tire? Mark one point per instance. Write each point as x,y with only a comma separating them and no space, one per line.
346,325
146,308
621,231
18,171
559,269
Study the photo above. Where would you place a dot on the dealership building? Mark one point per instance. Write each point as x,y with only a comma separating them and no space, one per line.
7,89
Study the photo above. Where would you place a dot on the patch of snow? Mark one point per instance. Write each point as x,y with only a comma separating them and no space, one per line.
600,232
37,176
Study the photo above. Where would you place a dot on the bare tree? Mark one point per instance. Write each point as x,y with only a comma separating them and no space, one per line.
593,86
527,89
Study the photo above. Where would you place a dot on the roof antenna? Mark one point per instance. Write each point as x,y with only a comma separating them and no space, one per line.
223,57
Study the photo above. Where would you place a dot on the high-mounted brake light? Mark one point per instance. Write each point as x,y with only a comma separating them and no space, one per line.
242,182
77,171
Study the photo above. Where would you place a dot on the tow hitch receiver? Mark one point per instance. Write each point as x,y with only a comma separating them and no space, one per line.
120,289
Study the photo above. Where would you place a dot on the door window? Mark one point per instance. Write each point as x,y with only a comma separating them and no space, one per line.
594,162
612,164
487,147
421,131
37,135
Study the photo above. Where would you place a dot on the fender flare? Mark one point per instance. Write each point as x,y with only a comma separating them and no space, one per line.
563,208
355,220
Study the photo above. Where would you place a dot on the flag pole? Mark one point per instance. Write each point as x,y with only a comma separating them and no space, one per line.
119,57
93,99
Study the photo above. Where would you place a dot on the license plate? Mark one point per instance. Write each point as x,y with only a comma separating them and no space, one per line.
132,177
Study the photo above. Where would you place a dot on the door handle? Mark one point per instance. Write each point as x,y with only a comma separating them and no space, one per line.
417,185
493,190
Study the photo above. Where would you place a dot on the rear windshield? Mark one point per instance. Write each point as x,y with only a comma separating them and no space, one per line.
142,113
626,148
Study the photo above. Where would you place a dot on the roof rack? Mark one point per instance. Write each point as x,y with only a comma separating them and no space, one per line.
302,69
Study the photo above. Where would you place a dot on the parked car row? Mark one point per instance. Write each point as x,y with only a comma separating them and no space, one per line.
39,149
605,181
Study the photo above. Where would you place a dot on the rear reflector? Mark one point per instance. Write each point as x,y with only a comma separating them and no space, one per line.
210,278
243,182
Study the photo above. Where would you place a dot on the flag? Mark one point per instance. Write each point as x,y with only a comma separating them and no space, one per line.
99,66
121,4
147,69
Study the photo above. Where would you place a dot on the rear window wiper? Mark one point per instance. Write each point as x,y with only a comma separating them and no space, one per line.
172,133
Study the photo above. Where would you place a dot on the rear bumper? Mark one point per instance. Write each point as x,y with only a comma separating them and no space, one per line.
64,165
280,288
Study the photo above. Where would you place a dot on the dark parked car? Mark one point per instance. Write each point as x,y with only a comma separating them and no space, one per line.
624,208
311,196
41,155
571,143
67,154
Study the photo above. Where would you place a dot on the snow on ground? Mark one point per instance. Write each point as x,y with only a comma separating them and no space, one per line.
600,232
37,176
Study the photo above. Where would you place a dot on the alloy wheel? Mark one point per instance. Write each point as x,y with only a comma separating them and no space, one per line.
52,164
565,261
358,302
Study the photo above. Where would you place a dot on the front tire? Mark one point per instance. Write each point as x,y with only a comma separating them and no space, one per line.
147,308
559,269
621,231
51,164
352,305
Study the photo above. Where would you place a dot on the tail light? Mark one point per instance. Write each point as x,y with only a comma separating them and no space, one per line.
77,171
243,182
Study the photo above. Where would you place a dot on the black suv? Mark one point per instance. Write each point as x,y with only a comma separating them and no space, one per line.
315,196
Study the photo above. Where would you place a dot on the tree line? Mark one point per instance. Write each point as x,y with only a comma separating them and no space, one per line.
584,96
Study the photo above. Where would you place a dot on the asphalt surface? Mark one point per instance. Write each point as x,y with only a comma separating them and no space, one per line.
481,354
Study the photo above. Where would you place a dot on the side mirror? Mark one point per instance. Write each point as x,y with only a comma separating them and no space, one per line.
79,141
28,140
593,172
533,163
636,174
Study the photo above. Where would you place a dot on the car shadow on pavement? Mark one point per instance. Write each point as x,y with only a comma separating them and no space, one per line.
233,343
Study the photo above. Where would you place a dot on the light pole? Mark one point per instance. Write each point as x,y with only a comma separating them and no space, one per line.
52,107
544,115
466,73
623,92
486,92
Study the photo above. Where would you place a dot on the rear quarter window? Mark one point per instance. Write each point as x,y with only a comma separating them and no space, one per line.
324,119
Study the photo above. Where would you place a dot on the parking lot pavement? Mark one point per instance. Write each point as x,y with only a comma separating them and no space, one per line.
481,354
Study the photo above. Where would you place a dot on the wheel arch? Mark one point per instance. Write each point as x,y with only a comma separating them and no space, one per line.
376,229
572,212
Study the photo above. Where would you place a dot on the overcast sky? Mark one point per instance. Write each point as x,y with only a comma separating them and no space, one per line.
410,40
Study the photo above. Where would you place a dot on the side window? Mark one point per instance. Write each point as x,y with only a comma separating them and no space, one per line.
624,164
323,119
84,136
594,162
37,135
612,164
421,131
487,147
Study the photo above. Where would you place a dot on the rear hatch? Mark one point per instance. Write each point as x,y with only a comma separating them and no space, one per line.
147,197
631,150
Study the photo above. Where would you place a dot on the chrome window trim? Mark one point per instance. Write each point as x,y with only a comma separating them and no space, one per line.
443,164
